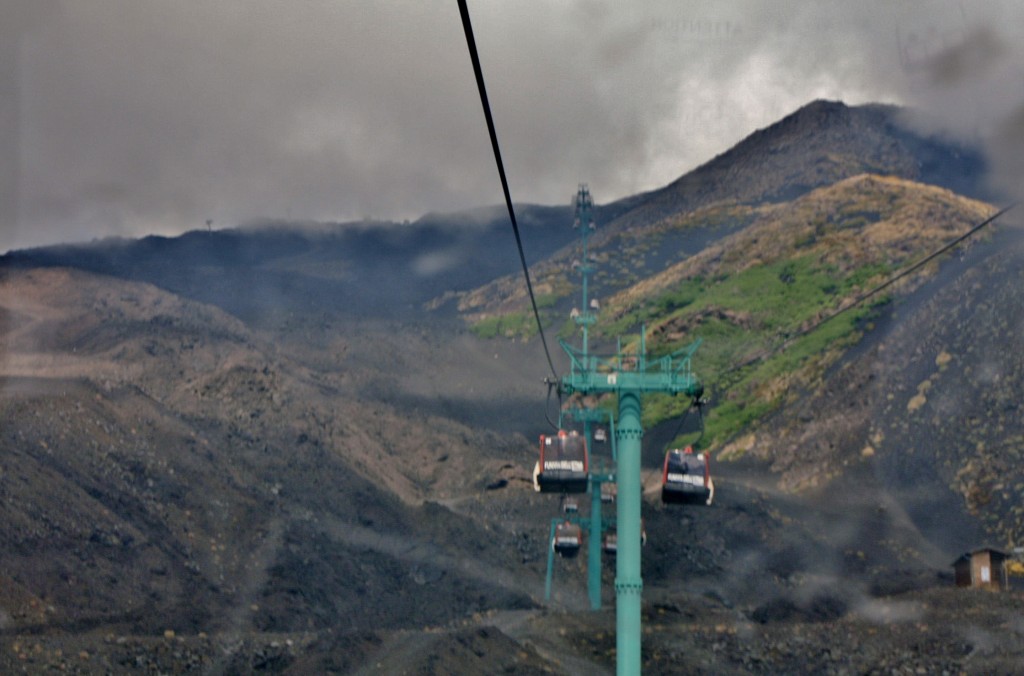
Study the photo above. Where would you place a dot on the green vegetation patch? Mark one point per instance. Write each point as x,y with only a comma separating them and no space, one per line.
756,316
512,325
547,300
666,304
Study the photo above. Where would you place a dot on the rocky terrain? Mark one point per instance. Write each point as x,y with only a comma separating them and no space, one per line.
222,454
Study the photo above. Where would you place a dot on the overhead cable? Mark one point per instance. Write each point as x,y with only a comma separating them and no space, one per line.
471,43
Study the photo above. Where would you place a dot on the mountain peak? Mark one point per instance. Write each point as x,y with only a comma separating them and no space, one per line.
824,114
818,109
820,143
825,107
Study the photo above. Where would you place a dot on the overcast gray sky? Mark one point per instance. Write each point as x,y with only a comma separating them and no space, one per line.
132,117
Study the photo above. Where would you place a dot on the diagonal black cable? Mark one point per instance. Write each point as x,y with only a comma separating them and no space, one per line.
867,294
694,404
471,43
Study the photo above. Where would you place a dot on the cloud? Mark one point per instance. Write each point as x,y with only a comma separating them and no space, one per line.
128,118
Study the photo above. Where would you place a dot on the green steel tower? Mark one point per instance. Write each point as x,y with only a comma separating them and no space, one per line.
629,375
585,223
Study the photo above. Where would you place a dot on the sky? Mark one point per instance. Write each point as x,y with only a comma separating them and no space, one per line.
136,117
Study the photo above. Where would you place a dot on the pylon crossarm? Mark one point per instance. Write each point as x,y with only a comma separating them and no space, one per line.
683,356
576,358
675,362
581,362
668,380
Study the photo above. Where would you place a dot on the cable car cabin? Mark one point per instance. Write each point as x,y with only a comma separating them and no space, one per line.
686,478
570,505
609,489
610,543
563,464
600,434
568,539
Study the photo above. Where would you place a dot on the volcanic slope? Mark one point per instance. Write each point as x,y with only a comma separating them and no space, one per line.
177,496
164,468
917,390
182,493
756,288
929,402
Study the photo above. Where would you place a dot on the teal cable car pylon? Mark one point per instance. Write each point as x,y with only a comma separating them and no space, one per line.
628,375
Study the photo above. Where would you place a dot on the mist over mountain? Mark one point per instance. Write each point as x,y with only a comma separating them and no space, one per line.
307,448
819,144
374,267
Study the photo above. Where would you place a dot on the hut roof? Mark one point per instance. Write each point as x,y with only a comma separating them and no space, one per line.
966,556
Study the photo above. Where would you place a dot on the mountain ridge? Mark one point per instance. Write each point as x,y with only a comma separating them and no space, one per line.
841,141
819,144
241,459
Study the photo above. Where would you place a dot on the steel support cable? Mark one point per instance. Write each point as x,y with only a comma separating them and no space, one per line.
871,292
552,384
682,419
700,415
695,404
478,71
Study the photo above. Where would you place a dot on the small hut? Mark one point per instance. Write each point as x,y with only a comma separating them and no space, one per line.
983,568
